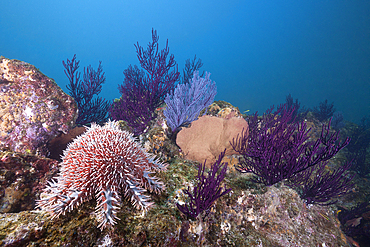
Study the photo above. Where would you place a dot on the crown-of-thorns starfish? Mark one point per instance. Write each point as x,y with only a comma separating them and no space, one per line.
103,163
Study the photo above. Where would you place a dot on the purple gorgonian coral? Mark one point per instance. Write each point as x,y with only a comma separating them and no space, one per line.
90,109
207,191
278,148
188,100
143,91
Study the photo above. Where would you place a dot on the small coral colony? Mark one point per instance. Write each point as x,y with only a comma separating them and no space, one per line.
108,164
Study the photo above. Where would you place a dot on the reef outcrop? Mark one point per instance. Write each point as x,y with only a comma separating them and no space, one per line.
33,108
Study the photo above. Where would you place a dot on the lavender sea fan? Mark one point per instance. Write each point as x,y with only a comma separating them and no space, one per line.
207,190
186,102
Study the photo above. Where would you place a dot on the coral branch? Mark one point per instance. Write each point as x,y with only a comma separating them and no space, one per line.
207,190
90,110
143,92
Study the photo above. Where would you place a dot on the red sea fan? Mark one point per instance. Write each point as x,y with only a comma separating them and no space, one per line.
104,163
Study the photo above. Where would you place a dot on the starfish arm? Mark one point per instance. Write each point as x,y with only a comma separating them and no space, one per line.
136,194
107,208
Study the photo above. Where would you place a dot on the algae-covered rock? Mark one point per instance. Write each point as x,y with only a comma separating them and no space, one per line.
22,177
33,108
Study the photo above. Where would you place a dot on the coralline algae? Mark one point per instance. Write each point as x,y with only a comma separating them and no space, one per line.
33,108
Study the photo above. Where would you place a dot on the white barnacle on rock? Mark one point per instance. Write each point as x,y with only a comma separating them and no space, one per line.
28,73
225,227
28,112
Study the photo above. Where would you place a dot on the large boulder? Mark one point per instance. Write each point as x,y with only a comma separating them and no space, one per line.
208,136
33,108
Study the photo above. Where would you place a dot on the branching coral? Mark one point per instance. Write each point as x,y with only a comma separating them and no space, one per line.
188,100
324,111
90,109
207,191
277,149
143,92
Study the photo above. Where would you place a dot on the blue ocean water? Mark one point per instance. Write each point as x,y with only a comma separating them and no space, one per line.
257,51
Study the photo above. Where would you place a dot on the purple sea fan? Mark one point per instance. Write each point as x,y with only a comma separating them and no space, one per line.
90,109
158,80
133,106
104,163
277,149
315,185
143,92
207,190
324,111
186,102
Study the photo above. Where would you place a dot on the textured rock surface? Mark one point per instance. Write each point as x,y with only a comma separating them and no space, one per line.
251,215
33,108
267,216
22,177
208,136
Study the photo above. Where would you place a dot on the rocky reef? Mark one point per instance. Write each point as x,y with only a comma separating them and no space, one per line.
33,108
249,215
